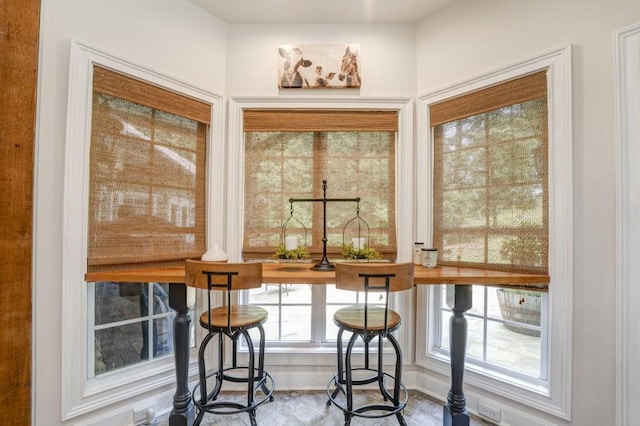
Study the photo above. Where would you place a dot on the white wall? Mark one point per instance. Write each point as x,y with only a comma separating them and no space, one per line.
173,37
473,37
465,39
387,58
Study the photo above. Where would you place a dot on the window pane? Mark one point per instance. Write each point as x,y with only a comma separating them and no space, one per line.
444,332
271,326
475,337
120,346
296,323
118,301
289,309
296,293
340,296
514,350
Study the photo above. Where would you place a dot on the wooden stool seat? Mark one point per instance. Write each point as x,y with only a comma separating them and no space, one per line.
352,318
242,316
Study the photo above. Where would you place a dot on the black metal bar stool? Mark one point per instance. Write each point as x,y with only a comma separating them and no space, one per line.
366,321
232,321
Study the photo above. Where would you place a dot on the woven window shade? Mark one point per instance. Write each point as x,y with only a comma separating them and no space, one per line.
280,165
146,179
491,177
319,121
121,86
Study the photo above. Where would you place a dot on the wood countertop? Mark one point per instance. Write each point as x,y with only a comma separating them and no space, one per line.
301,273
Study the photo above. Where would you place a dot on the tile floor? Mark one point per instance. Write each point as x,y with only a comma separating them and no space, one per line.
309,408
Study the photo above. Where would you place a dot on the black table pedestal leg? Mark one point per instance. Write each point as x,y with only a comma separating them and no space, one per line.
459,298
183,412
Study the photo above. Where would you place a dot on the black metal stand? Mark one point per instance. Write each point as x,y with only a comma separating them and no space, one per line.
324,264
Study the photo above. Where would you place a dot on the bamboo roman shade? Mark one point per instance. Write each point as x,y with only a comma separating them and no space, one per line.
320,121
146,176
288,153
491,195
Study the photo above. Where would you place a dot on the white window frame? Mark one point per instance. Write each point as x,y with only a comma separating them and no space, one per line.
79,394
556,399
304,355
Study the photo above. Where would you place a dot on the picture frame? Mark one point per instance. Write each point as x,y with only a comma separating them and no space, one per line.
324,66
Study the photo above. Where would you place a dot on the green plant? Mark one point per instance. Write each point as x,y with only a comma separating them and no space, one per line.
300,252
523,250
350,252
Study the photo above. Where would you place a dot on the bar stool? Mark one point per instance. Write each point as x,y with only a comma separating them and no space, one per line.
232,321
366,321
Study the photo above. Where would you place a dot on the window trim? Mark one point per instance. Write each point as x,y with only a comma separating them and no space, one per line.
627,110
80,395
557,62
404,195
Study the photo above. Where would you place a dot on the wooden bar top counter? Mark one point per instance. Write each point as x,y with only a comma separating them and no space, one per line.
455,413
301,273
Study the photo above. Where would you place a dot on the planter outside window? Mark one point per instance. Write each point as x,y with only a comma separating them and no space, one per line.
527,312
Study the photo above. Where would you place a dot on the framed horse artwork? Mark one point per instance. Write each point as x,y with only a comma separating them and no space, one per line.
326,66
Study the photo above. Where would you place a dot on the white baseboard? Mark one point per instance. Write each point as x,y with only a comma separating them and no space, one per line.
316,378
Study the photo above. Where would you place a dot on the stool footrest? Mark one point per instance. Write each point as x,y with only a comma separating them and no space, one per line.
335,387
216,406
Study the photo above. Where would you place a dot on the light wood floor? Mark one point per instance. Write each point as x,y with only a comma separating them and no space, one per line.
309,408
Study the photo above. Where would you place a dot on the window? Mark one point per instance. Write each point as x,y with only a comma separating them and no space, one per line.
146,207
296,342
288,154
353,151
132,323
134,161
491,210
500,193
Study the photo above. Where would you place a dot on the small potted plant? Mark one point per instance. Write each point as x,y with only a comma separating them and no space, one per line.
362,253
298,253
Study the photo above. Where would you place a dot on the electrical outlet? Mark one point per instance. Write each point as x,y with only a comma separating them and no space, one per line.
489,412
141,417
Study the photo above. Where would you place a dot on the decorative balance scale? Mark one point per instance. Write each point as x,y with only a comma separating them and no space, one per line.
359,243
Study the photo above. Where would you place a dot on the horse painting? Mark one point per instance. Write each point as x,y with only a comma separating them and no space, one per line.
291,78
349,68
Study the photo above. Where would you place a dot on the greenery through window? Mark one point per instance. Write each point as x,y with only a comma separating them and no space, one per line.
280,165
491,203
491,190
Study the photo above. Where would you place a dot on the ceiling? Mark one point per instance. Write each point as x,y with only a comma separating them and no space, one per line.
321,11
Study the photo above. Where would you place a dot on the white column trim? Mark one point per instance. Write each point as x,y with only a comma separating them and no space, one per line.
627,111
